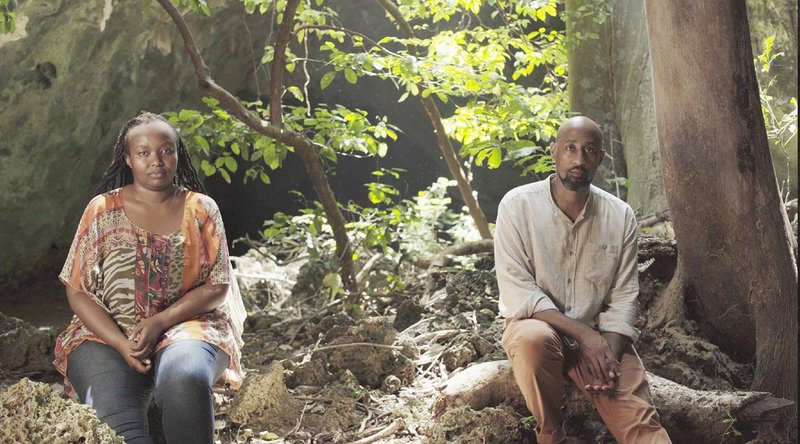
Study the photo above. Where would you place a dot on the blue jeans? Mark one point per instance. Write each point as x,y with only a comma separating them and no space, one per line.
181,379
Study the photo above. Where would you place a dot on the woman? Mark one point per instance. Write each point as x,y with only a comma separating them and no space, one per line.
156,304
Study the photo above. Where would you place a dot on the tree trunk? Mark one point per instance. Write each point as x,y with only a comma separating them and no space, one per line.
448,153
591,84
304,147
735,255
310,157
610,80
688,415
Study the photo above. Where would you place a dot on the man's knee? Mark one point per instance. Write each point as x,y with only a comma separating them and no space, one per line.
532,340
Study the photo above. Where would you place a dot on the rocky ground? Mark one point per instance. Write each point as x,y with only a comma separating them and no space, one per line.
320,371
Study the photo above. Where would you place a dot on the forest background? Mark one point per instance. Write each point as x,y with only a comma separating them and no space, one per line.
379,100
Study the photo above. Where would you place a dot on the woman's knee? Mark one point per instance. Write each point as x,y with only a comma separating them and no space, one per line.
187,368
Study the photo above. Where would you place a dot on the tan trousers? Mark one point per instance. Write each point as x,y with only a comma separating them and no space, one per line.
537,358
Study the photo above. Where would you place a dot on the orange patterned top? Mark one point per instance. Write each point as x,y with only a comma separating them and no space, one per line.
134,274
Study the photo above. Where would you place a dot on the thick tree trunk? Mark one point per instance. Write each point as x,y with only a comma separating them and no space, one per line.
689,416
591,84
610,80
736,255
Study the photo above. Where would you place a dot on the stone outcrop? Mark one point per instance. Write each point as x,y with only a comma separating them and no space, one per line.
73,73
24,349
35,412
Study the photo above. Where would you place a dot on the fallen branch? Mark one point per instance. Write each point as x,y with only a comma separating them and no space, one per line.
349,344
393,428
688,415
435,336
361,277
649,221
443,259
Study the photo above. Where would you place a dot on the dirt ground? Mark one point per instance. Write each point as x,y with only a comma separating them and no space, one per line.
322,372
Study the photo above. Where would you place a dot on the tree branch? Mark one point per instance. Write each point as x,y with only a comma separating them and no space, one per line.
304,147
279,63
448,153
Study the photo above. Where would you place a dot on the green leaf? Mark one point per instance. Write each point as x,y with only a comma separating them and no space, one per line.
327,79
207,168
350,75
264,178
376,196
230,164
495,158
472,86
225,175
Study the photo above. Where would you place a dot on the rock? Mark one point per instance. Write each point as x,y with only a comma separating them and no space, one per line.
463,425
370,365
263,402
73,74
464,349
470,290
25,349
34,412
409,312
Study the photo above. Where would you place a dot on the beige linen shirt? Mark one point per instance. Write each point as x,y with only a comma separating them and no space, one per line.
586,269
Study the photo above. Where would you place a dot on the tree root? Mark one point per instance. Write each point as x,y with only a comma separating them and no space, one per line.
688,415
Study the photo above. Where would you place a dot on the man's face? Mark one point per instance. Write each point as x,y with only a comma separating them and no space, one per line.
577,153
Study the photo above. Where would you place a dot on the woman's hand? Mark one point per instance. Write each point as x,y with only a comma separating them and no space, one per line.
144,338
140,365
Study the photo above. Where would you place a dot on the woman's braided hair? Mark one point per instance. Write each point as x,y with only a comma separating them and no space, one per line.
118,173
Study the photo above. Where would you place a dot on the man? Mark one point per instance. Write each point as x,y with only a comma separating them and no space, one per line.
566,261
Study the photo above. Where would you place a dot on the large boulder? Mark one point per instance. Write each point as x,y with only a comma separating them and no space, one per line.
73,73
25,349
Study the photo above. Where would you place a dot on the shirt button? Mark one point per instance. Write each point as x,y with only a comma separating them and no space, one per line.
571,253
569,307
569,281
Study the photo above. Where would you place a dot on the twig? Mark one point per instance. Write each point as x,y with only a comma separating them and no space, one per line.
300,420
649,221
436,336
442,259
393,428
362,275
349,344
415,325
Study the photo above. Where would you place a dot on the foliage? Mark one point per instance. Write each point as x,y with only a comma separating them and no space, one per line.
730,430
399,229
780,113
221,140
505,77
8,18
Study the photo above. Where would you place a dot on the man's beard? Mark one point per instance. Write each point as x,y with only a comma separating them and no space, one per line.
576,185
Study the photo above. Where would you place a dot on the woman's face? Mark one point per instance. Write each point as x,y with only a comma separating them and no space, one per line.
152,155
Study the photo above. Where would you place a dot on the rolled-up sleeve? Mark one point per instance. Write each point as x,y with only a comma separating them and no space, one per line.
620,300
520,296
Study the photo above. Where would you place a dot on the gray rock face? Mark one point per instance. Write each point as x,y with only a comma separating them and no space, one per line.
24,349
73,73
